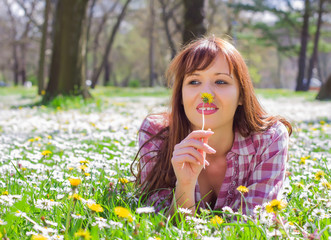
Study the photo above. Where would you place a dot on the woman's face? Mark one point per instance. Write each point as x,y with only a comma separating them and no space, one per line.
216,80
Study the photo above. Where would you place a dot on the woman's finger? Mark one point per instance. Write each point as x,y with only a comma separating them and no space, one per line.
198,144
189,150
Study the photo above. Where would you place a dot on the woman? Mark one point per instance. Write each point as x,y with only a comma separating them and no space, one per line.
242,146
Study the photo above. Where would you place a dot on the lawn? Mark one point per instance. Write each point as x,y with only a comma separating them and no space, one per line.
65,171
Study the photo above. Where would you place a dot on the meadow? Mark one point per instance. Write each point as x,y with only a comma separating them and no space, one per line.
65,171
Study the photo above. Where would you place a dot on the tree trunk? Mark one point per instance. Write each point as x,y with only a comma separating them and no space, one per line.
165,18
304,40
316,40
194,16
107,73
111,39
325,91
67,73
41,65
151,45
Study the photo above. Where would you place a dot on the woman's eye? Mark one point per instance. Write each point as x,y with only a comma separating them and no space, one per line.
220,82
193,82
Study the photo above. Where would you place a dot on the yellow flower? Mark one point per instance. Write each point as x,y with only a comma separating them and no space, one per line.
70,168
326,185
75,196
39,237
275,205
123,180
49,137
87,174
216,220
95,207
74,182
83,234
123,213
322,122
5,193
319,175
242,189
43,92
0,235
84,161
302,160
37,138
31,140
207,97
46,152
83,168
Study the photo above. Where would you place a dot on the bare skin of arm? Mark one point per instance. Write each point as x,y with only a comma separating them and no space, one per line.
187,161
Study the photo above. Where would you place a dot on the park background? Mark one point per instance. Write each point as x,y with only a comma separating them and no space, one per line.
78,77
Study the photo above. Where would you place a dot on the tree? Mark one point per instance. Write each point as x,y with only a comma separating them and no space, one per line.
325,91
194,16
67,73
41,67
313,57
109,45
151,44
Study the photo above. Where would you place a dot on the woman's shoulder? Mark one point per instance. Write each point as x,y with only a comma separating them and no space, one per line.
154,123
275,133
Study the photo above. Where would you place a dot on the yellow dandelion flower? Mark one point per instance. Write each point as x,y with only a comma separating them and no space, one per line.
326,185
46,152
83,234
322,122
43,92
95,207
216,220
37,138
0,235
49,137
31,140
70,168
84,161
123,180
207,97
87,174
242,189
319,175
75,182
302,160
126,128
75,196
123,213
275,205
5,193
38,237
58,108
83,168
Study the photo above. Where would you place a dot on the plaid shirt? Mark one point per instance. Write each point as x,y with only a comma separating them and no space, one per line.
257,162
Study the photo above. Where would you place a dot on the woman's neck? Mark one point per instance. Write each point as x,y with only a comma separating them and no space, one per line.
221,141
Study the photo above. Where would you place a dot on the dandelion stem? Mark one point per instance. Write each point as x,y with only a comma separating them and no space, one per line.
281,223
203,126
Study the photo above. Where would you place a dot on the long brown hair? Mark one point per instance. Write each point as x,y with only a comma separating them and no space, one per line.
249,117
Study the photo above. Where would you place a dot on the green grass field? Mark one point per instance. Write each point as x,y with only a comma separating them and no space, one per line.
64,174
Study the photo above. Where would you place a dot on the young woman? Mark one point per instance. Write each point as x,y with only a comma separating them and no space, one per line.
243,146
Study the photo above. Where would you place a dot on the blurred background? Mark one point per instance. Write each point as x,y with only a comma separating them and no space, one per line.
67,47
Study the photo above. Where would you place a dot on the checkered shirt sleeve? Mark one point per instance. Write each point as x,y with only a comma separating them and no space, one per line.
151,126
268,167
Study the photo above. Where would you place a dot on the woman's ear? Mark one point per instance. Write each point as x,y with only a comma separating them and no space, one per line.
240,102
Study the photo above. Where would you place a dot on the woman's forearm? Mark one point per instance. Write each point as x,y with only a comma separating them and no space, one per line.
184,198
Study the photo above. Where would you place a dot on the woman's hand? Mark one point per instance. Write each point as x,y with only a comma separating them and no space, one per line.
189,156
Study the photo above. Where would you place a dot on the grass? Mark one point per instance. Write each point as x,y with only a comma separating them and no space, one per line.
97,143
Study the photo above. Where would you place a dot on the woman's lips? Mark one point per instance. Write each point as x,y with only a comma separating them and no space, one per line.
208,108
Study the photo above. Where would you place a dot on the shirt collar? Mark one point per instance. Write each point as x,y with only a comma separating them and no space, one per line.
242,145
